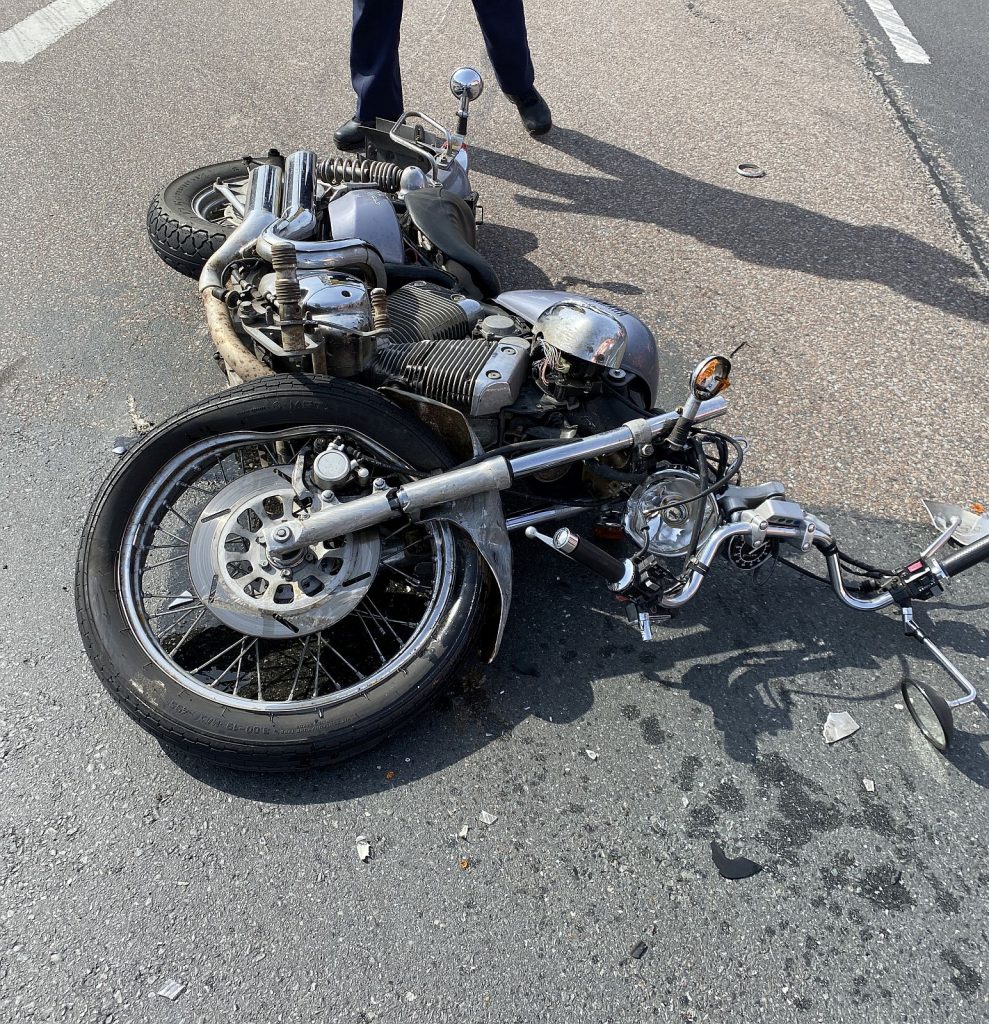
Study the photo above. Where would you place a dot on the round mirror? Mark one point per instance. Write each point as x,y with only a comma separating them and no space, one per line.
930,711
466,82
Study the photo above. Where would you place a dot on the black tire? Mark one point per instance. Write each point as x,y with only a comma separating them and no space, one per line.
178,233
255,739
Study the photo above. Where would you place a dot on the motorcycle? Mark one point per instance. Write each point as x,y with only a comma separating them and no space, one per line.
285,574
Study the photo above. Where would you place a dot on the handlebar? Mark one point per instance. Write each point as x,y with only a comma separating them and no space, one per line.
957,563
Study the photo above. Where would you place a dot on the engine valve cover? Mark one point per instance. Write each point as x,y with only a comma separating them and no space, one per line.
477,376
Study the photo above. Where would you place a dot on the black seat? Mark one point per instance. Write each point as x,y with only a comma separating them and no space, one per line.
447,221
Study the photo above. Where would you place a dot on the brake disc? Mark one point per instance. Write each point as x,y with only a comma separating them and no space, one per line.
309,590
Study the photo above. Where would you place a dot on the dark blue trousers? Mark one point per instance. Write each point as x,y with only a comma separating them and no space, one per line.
374,68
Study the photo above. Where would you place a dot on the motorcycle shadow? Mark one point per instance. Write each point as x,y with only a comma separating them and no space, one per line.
760,655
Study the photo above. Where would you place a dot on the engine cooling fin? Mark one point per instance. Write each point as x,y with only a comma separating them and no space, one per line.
422,310
444,369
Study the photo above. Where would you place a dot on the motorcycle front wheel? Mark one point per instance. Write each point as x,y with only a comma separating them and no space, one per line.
213,648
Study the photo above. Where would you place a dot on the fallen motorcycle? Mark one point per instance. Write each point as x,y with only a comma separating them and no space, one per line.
285,574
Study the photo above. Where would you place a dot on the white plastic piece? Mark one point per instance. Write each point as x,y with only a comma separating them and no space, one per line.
839,726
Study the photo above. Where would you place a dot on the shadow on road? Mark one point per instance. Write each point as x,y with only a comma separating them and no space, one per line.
768,232
744,649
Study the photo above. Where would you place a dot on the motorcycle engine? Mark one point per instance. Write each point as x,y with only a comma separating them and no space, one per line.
442,349
668,533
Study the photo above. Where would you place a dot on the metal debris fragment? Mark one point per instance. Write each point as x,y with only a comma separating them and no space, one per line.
870,786
839,726
363,848
464,863
171,989
487,818
122,445
750,171
462,834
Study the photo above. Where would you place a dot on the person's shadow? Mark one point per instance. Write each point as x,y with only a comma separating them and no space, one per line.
627,187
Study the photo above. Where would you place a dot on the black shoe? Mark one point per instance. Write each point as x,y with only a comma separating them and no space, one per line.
534,111
350,135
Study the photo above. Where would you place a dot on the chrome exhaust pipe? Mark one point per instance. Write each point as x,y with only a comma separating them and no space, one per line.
262,209
298,222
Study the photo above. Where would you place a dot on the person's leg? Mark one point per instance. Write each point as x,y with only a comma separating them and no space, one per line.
507,42
503,27
374,68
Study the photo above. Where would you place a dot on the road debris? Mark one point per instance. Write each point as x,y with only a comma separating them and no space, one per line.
363,848
639,950
464,863
839,726
389,775
870,786
462,834
141,425
750,171
487,818
592,754
172,989
733,868
122,445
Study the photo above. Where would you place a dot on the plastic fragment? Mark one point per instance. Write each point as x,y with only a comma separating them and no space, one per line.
639,950
171,990
870,786
592,754
840,725
462,834
363,848
733,868
487,818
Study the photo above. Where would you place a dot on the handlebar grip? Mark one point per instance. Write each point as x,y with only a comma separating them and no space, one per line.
590,555
966,558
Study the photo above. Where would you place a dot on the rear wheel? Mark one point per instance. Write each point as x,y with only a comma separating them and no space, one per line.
212,645
192,217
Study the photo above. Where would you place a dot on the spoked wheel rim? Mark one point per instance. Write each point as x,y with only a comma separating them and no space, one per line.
354,614
212,206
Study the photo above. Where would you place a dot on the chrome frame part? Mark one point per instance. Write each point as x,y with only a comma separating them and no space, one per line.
911,628
494,474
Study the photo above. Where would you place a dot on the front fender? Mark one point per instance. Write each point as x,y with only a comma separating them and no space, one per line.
482,518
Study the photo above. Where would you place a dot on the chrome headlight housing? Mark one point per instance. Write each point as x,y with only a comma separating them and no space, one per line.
583,331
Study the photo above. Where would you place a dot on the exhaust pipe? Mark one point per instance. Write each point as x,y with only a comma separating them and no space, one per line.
298,223
261,210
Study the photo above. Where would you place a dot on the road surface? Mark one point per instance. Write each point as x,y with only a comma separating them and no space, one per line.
860,385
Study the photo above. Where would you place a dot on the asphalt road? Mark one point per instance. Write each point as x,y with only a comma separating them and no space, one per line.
948,95
865,323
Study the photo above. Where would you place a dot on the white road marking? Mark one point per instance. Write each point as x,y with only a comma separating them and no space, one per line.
39,30
909,50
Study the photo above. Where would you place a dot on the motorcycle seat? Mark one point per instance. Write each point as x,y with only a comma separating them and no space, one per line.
447,221
738,499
